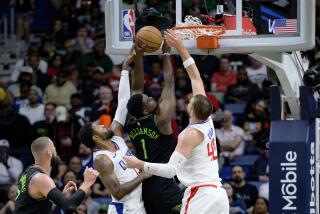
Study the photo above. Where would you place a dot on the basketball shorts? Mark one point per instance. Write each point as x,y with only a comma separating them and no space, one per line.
161,196
205,199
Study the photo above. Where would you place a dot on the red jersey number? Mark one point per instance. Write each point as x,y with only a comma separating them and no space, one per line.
212,150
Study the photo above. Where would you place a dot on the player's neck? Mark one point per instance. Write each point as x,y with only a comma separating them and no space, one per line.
193,120
45,167
107,145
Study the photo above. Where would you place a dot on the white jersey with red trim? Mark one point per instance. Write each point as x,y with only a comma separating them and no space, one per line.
202,166
131,203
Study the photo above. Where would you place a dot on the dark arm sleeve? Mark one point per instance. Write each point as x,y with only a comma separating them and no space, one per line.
68,205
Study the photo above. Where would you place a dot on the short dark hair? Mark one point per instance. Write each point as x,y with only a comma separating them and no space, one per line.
135,105
85,135
202,107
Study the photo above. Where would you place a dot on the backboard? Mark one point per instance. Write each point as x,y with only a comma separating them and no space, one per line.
251,25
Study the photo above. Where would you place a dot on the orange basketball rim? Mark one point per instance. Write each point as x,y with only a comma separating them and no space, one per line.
207,36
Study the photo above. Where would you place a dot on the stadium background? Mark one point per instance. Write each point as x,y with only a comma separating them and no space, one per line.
58,78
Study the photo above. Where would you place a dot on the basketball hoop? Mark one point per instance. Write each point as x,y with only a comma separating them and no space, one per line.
207,36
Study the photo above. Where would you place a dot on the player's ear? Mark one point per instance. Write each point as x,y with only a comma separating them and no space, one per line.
145,111
95,138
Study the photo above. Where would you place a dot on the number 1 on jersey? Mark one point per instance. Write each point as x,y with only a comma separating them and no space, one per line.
143,144
211,150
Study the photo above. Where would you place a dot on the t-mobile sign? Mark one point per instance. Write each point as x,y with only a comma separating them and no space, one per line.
292,167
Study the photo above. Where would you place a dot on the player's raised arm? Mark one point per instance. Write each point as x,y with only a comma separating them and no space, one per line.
123,96
173,40
167,102
138,74
106,169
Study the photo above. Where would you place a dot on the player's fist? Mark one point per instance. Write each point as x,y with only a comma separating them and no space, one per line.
90,175
133,162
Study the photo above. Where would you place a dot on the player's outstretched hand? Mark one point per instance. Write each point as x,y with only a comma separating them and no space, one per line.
69,188
133,162
90,175
139,47
173,40
129,59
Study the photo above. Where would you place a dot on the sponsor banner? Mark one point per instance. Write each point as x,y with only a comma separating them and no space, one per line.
292,167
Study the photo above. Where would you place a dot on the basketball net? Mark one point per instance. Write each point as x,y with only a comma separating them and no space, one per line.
193,29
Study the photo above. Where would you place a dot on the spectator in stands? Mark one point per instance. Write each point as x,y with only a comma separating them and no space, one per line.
182,83
97,23
256,121
72,55
224,77
92,206
77,106
243,191
24,10
75,166
44,127
181,114
257,72
236,206
83,13
10,167
82,209
230,137
66,128
69,23
86,158
55,65
104,107
82,42
90,88
70,176
244,91
113,79
22,100
261,206
58,35
32,60
12,123
206,64
60,91
25,78
34,111
153,81
8,208
261,168
47,49
98,57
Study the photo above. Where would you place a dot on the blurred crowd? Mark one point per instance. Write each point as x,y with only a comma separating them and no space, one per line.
68,81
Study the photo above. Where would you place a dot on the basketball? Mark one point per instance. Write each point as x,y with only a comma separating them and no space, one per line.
151,37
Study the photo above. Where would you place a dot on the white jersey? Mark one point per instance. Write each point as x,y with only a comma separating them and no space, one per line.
131,203
202,166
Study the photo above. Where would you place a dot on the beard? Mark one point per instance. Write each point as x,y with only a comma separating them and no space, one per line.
109,134
55,162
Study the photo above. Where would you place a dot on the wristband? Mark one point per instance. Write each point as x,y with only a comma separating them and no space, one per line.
124,72
166,54
188,62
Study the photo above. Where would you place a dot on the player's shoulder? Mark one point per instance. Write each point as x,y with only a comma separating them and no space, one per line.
40,179
191,133
103,163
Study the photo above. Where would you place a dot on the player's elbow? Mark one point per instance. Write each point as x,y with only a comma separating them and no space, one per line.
118,195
